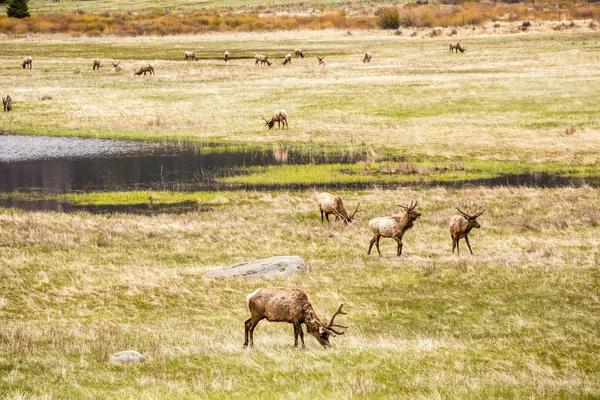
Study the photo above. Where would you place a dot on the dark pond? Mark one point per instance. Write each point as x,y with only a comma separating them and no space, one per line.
63,165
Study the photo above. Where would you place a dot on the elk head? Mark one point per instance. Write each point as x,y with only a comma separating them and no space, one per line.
115,65
270,123
410,210
321,60
327,329
471,219
349,218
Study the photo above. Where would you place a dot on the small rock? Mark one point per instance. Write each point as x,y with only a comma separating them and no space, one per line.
274,266
127,356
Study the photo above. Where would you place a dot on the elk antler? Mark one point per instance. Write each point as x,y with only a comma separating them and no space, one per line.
331,324
474,216
412,206
266,122
116,65
356,211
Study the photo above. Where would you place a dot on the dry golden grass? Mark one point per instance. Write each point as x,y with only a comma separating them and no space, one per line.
517,319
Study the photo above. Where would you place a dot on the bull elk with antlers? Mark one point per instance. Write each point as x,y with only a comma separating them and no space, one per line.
393,227
28,61
321,62
332,204
279,116
456,47
461,225
145,68
116,66
293,306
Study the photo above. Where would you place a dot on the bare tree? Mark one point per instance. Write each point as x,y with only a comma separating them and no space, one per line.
279,116
332,204
393,227
289,305
460,226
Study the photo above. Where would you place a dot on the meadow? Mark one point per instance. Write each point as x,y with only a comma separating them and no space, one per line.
518,319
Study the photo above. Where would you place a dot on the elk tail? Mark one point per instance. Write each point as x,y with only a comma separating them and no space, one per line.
251,295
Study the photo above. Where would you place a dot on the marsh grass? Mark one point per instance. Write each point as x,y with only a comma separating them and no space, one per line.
517,319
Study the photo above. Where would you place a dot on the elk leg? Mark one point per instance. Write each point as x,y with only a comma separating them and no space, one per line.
399,241
371,244
295,335
246,330
327,218
468,245
298,332
453,245
457,247
322,216
286,124
253,323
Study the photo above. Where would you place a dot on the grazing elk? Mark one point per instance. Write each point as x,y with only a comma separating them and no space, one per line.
298,53
332,204
116,66
288,59
460,226
28,61
226,56
263,60
368,56
7,102
293,306
145,68
96,65
279,116
190,55
321,62
455,47
393,227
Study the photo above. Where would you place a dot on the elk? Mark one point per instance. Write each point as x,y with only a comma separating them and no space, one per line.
116,66
456,46
292,306
28,61
321,62
226,56
460,226
96,65
393,227
368,56
7,102
298,53
279,116
190,55
263,60
288,59
145,68
332,204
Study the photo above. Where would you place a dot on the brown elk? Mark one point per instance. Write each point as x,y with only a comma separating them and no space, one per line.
7,102
293,306
321,62
145,68
116,66
393,227
96,64
368,56
226,56
288,59
455,47
28,61
298,53
263,60
279,116
460,226
332,204
190,55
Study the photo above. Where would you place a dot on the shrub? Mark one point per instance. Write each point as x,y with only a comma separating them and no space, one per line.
389,18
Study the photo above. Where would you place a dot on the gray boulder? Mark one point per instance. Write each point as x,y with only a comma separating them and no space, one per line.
274,266
127,356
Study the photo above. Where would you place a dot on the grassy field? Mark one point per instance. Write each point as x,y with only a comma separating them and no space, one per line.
519,319
509,97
